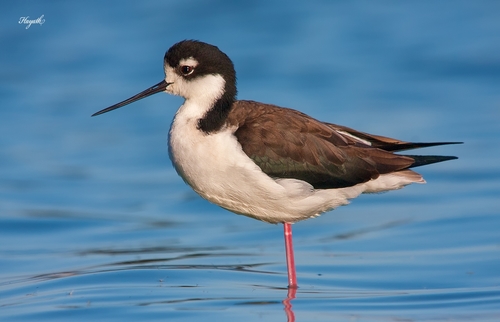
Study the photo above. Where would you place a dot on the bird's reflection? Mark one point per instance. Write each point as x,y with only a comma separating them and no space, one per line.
287,303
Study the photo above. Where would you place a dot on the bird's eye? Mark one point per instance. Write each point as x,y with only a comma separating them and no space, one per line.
186,70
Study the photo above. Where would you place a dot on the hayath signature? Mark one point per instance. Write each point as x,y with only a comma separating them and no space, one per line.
28,22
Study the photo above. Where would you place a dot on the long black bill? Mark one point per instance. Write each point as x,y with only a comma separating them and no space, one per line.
160,87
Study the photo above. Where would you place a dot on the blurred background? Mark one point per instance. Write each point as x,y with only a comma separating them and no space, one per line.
95,223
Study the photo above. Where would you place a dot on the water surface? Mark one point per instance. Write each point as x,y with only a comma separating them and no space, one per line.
96,224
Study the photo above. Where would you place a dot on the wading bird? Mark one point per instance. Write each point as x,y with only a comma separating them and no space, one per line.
270,163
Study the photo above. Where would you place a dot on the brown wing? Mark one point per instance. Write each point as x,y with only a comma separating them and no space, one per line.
285,143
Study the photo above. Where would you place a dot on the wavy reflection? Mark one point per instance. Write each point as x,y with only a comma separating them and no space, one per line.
287,303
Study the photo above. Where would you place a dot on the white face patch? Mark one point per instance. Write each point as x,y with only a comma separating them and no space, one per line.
203,89
200,91
171,77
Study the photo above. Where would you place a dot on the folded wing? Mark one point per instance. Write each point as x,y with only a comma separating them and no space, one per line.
285,143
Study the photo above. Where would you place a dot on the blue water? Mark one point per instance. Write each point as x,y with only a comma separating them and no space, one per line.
96,224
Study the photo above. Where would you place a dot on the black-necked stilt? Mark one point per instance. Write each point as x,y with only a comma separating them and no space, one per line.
270,163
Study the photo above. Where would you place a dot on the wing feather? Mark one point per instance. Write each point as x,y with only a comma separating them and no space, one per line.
286,143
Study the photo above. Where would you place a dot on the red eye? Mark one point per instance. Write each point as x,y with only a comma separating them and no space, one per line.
186,70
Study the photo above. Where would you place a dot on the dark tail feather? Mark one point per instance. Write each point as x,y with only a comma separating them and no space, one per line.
410,145
421,160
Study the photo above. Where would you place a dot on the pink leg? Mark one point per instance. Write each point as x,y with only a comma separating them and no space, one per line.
290,261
